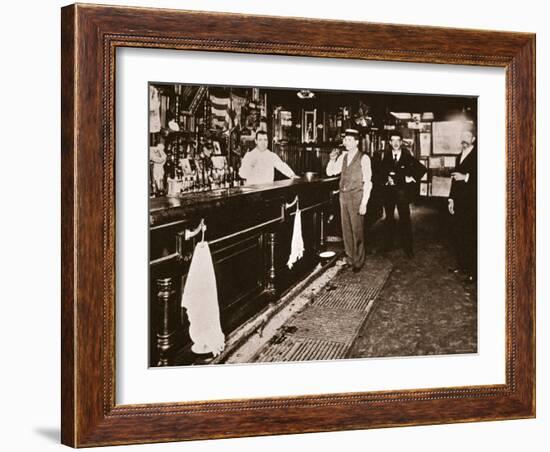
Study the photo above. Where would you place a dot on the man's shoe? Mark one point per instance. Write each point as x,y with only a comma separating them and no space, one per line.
343,264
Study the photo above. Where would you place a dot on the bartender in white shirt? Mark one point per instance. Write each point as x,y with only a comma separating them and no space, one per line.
355,187
258,165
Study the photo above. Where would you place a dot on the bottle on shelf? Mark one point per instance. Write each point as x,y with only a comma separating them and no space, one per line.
197,182
233,177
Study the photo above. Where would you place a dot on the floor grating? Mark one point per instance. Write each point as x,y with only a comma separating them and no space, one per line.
299,349
327,327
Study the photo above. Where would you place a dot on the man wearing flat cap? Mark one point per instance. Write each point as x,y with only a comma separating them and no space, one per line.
355,186
400,173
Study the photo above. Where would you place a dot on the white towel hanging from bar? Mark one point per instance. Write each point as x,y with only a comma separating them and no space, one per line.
200,299
297,244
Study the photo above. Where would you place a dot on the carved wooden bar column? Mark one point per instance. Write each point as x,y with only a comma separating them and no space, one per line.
316,231
322,230
271,272
165,332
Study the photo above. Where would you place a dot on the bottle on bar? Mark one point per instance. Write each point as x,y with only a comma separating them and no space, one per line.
197,182
230,180
210,179
226,183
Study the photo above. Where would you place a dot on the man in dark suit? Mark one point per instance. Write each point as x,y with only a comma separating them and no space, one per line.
375,206
401,174
463,207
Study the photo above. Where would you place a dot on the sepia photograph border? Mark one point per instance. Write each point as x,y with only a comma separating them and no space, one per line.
90,35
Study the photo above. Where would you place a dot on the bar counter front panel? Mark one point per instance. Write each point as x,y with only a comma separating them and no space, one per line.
249,230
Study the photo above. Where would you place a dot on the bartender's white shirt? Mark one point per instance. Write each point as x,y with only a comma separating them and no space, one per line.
258,167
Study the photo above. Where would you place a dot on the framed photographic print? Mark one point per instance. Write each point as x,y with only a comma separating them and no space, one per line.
220,279
309,127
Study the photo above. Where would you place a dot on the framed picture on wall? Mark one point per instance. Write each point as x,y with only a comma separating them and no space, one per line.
309,126
128,250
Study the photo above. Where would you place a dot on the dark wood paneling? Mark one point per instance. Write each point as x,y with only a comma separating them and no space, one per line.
239,271
240,243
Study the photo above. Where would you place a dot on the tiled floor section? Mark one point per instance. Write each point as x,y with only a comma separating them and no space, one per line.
326,328
423,309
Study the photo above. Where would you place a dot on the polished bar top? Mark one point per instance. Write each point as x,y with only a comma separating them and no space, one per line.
158,207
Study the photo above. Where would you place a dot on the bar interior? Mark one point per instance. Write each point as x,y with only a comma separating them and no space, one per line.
198,138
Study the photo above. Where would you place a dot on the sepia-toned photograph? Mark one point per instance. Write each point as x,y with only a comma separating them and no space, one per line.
296,224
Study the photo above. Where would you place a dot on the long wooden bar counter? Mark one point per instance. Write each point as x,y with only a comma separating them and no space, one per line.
249,230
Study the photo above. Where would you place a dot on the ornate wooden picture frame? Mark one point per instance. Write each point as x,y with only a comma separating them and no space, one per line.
90,37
